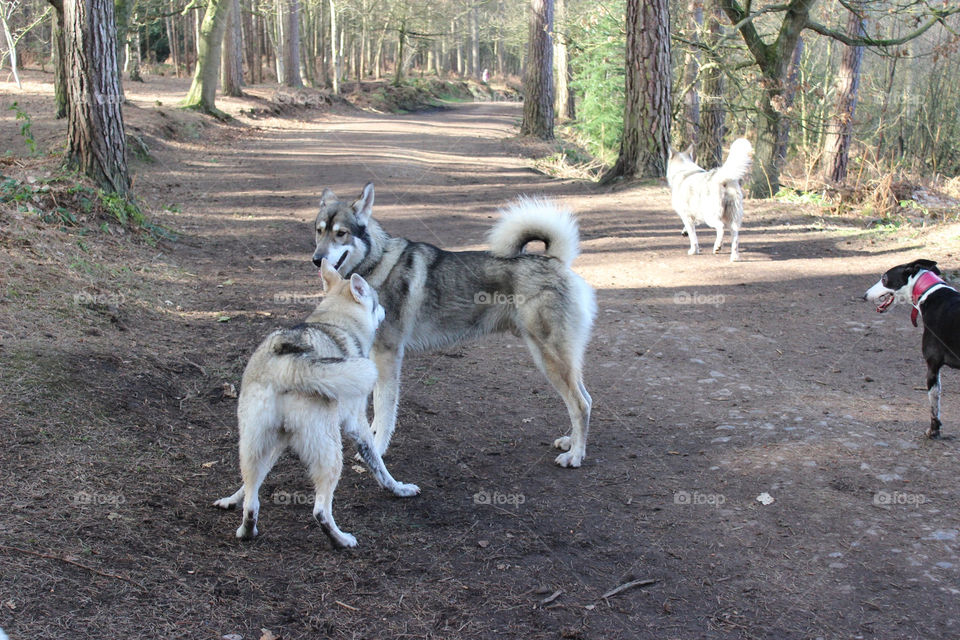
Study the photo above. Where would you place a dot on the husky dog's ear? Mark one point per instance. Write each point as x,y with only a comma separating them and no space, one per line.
327,198
673,151
363,207
689,151
329,275
359,287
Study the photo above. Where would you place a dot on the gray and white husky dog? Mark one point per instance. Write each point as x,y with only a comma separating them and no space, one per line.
434,298
300,388
713,197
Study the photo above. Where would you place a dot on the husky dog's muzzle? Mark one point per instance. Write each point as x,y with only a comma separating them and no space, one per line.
336,256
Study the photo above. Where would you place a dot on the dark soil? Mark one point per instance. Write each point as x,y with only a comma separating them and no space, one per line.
121,352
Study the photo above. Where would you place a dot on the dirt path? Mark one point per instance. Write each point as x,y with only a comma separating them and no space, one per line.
712,382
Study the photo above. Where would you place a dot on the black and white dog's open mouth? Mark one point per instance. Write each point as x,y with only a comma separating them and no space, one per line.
884,301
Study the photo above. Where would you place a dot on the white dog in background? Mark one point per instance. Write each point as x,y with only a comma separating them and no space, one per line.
712,197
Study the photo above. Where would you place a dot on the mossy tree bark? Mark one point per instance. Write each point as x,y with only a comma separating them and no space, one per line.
203,90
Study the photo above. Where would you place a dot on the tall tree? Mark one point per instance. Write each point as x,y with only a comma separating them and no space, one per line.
773,60
96,143
646,119
836,152
203,90
691,77
563,105
709,149
291,44
538,81
231,64
334,58
6,9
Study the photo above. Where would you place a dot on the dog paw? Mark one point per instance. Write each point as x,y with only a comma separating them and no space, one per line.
693,252
569,459
225,503
716,250
933,434
344,541
562,443
247,533
734,257
404,490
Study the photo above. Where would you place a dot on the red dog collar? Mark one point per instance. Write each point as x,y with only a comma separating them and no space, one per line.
926,281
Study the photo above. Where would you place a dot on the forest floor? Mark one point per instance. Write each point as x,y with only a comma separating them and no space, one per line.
713,382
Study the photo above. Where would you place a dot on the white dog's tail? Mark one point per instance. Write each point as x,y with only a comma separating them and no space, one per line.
529,219
738,161
334,378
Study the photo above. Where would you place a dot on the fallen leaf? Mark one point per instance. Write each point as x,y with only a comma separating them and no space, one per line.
765,499
223,319
483,544
268,635
207,465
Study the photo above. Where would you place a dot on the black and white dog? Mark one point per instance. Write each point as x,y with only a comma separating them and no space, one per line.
939,305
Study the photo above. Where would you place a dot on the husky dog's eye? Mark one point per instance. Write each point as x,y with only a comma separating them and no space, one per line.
341,233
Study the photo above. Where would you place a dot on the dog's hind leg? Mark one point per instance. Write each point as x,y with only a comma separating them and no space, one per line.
325,466
386,394
558,368
358,430
719,241
933,393
255,464
734,242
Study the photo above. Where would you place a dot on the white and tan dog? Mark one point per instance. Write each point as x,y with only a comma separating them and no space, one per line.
710,197
300,388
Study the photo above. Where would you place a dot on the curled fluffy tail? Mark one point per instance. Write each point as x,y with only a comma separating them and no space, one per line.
738,161
334,378
529,219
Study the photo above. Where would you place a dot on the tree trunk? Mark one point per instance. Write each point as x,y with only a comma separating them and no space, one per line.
709,149
249,44
60,65
646,120
334,58
538,82
137,59
774,62
563,103
789,95
691,79
836,154
174,45
291,44
231,64
203,91
474,42
401,42
96,145
11,47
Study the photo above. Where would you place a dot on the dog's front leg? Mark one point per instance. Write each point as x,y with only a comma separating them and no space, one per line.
933,393
386,394
719,241
357,429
